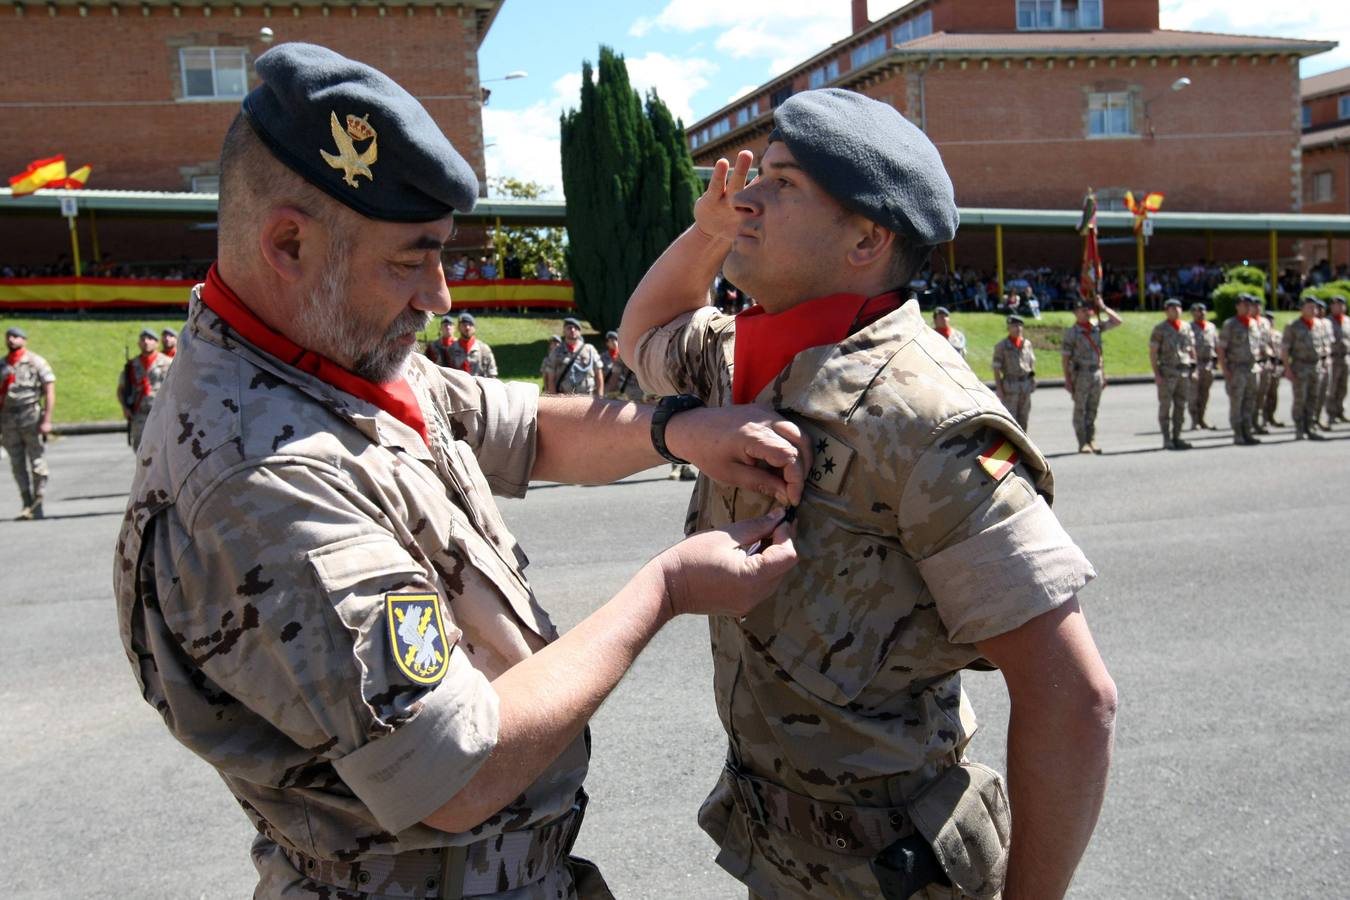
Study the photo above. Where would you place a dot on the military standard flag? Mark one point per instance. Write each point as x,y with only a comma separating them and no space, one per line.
39,174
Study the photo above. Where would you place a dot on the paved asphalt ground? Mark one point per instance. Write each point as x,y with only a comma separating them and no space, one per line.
1220,609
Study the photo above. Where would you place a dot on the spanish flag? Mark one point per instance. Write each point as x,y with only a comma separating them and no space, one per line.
39,174
78,179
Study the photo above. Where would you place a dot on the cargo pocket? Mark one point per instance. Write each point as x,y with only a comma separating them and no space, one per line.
963,814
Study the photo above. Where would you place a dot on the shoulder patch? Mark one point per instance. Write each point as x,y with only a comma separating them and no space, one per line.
417,636
830,460
999,459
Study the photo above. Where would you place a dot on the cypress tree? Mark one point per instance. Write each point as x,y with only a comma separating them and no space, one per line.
629,183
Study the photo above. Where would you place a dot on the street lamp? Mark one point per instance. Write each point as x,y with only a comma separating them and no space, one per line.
1179,85
509,76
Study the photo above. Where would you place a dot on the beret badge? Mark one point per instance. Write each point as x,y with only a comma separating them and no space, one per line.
347,158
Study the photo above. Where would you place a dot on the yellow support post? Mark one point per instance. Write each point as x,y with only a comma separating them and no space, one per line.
1272,300
998,256
951,256
1142,283
497,245
75,252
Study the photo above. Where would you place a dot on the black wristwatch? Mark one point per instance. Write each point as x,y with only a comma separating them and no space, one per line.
665,408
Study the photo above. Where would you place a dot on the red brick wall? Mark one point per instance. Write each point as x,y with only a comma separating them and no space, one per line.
1001,15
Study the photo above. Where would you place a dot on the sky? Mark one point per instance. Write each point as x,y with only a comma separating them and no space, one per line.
699,59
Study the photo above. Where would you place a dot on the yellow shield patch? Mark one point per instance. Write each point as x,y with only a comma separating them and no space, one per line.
417,636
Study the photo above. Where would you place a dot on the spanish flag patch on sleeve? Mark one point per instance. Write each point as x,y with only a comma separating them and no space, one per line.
999,459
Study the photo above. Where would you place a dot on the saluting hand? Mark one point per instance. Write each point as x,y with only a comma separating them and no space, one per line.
715,212
730,571
746,446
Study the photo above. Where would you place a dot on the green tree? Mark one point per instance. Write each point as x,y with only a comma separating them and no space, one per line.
530,245
630,187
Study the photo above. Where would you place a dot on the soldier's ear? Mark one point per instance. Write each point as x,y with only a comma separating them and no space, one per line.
285,233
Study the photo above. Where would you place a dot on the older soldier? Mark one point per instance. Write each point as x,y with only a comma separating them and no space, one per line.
168,342
1340,360
1084,378
1171,353
1304,351
27,399
620,382
1239,353
1206,352
1272,368
574,367
942,324
317,592
1015,372
924,543
469,354
139,384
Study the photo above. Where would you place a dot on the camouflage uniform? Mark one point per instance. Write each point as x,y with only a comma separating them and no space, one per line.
578,376
1272,371
1206,353
1084,351
1324,375
1241,345
137,386
1175,347
476,360
841,695
620,382
1017,368
1308,350
20,416
1340,366
958,341
284,544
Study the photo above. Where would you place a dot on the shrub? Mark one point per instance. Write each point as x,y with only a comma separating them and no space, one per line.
1224,298
1248,275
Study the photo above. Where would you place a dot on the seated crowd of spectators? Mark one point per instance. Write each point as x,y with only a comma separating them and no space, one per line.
63,267
484,268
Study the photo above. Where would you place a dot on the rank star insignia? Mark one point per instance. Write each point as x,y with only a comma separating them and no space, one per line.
827,471
417,636
347,159
822,445
829,465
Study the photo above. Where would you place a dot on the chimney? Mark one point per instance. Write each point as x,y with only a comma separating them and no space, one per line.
860,20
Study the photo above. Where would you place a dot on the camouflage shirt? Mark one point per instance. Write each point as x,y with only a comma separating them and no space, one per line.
1206,342
924,528
316,601
958,341
31,374
1082,346
1340,336
1307,346
577,376
1175,346
138,383
620,382
1241,344
1012,364
477,360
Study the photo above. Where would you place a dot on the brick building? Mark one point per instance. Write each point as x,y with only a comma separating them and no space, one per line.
1033,101
1326,155
144,91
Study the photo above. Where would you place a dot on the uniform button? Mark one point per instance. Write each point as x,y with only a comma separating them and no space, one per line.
895,819
837,815
363,878
431,884
840,843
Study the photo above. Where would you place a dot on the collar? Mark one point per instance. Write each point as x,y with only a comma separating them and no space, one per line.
1339,317
1089,327
1245,320
14,357
945,331
467,343
394,397
1175,323
1310,323
613,354
1016,341
148,359
572,348
766,343
1201,325
171,353
446,342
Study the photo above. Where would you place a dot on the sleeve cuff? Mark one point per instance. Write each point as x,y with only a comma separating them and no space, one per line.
1006,575
406,776
510,435
654,364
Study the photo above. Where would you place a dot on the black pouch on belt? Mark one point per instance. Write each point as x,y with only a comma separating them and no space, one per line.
907,867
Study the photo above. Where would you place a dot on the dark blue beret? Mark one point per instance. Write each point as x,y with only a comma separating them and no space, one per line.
571,321
942,311
146,332
1199,306
1337,298
1015,319
1246,297
355,134
168,330
467,317
16,331
871,159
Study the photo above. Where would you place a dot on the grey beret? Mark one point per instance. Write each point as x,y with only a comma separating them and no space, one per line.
146,332
352,132
167,330
571,321
16,331
1321,304
611,334
1172,301
1015,320
1245,297
467,317
1199,306
871,159
1338,298
555,338
942,311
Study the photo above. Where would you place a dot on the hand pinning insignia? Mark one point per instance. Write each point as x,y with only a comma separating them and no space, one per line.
347,159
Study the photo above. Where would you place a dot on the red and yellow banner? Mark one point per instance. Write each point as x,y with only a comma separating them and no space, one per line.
509,293
39,174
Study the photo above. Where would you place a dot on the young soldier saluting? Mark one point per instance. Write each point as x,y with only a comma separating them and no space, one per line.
925,538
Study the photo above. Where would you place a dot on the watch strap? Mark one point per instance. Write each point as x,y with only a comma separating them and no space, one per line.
667,408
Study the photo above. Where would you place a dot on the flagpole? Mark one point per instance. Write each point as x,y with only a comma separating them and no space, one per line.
75,251
1139,250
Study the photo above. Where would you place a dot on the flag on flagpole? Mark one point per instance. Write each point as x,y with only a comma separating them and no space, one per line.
75,181
1152,202
1090,278
39,174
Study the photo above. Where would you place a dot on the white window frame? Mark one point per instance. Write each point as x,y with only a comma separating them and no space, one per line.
1325,180
823,75
1108,102
866,53
1050,15
205,184
1343,106
240,52
913,29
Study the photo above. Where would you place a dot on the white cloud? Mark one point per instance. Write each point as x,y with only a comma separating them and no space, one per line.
741,92
676,79
1308,19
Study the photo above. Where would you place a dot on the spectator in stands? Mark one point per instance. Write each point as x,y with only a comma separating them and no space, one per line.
511,267
471,272
488,267
542,271
458,268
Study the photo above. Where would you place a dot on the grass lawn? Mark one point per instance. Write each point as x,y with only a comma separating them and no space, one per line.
87,352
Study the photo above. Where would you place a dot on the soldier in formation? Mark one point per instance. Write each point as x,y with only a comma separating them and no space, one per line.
466,353
1171,354
1015,371
1272,369
27,400
923,534
168,342
139,383
620,382
1206,355
1307,351
1340,360
1239,351
942,324
1084,377
1324,384
574,367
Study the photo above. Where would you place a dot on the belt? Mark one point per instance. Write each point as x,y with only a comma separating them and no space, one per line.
1086,368
503,862
850,830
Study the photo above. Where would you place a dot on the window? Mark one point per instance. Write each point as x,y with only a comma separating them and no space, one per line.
1343,107
823,75
721,127
1307,116
206,184
742,116
780,96
1320,188
754,110
213,72
873,49
703,136
917,27
1061,15
693,142
1110,114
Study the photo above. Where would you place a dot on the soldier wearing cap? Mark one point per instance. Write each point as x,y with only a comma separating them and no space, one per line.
1305,350
1239,352
1324,381
1272,368
620,382
1340,360
27,399
554,341
1206,353
168,342
467,353
574,366
315,588
1171,353
925,538
1015,372
942,324
138,384
1084,376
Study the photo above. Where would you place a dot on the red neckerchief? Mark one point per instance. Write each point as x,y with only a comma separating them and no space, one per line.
613,354
466,344
945,331
12,359
767,342
572,348
147,360
1203,324
1246,321
394,397
1339,317
1087,330
1175,323
1310,323
446,342
171,353
1016,342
